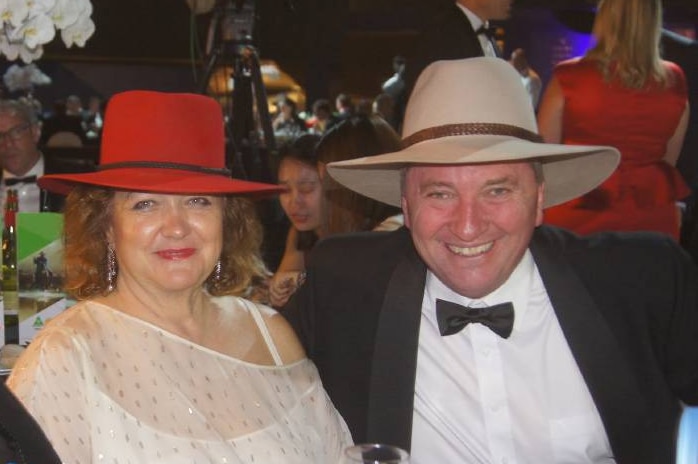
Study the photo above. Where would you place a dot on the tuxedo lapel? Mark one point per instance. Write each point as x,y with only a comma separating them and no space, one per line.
607,374
469,42
391,397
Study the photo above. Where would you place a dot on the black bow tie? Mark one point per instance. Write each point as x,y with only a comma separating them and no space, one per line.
453,317
20,180
488,31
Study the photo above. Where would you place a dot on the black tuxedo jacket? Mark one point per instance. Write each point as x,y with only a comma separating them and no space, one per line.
448,36
21,439
626,304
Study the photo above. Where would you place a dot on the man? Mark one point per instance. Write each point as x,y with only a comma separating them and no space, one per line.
344,106
603,344
22,161
461,31
529,78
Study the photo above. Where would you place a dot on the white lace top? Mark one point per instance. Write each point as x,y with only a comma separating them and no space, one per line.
108,387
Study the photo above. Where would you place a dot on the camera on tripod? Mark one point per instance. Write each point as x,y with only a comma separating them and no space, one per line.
230,46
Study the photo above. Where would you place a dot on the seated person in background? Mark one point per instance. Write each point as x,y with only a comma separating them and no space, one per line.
287,122
160,362
301,201
344,210
22,160
92,120
478,335
344,106
335,209
622,94
323,118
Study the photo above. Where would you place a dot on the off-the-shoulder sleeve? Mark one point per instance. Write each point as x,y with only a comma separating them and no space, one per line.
50,380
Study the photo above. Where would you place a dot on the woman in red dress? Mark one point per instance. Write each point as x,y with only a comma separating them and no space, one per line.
622,94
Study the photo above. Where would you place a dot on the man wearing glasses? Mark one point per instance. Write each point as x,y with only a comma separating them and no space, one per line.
22,160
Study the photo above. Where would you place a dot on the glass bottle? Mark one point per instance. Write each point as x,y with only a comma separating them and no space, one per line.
9,269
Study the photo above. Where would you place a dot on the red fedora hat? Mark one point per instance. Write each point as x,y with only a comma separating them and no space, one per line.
161,142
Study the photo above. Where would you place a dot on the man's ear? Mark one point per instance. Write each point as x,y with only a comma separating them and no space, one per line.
405,211
539,204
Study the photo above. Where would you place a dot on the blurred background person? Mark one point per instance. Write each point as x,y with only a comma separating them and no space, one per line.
160,361
287,123
344,106
345,210
384,106
461,30
301,200
23,162
529,78
330,208
396,88
93,119
620,93
323,118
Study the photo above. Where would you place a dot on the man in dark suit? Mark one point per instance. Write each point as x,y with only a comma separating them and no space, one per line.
22,160
476,334
460,31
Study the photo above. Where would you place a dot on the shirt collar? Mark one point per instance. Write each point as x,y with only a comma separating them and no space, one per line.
515,289
474,19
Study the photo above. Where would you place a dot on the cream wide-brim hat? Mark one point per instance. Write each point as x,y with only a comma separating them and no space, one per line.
474,111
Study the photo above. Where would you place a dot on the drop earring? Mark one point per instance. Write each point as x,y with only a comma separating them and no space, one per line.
217,272
111,269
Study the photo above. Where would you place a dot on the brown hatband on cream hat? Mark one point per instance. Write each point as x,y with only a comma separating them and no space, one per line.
475,111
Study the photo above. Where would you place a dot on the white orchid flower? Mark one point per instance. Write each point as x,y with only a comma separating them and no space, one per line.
40,6
10,50
25,25
28,55
66,12
14,12
78,33
36,31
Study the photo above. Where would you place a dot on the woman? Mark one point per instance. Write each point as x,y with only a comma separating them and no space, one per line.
301,201
159,362
345,210
622,94
335,209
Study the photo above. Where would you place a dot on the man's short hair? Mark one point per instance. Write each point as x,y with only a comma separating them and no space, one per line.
20,110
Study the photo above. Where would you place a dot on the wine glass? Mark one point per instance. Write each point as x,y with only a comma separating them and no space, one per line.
375,453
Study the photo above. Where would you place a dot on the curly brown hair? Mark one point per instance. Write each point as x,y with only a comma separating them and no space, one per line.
88,214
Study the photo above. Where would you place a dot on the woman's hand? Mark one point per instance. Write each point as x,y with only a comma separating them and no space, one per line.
282,286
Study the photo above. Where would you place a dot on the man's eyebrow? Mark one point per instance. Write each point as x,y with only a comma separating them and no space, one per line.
500,180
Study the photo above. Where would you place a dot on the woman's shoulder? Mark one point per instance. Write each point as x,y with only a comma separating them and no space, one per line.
574,66
282,334
674,70
570,63
675,79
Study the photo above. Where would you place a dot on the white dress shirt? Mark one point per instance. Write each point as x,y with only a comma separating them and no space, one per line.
480,398
476,22
28,194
